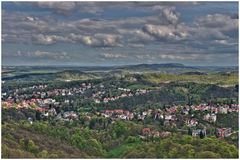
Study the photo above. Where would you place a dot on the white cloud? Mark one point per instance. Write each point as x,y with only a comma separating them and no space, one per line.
164,26
218,21
43,55
164,33
60,7
48,39
181,56
112,55
170,15
97,40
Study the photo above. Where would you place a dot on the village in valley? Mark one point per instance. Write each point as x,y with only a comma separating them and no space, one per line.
130,80
58,104
115,114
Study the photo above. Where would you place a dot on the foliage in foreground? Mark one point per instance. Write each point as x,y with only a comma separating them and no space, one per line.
42,140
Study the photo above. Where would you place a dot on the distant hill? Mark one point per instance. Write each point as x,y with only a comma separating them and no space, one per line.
70,72
92,72
157,65
174,68
75,75
194,73
153,66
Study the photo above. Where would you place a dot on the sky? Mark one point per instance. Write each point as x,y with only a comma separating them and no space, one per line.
119,33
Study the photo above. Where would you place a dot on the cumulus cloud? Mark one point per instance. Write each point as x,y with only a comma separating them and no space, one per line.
219,21
170,15
43,54
111,33
59,7
164,33
181,56
66,8
47,39
112,55
97,40
211,33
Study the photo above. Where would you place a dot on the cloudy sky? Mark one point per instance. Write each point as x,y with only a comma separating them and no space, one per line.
119,33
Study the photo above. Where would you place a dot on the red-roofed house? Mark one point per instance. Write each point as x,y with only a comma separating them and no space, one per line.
223,132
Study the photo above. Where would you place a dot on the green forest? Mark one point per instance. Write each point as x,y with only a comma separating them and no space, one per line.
44,140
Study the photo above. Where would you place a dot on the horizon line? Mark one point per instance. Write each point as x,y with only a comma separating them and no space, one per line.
69,65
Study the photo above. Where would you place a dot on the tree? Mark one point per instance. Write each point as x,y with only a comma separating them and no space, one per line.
38,115
43,154
31,147
189,131
22,143
92,123
207,154
119,129
201,135
94,147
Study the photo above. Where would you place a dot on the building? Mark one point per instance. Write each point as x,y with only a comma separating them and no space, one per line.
197,132
223,132
210,117
146,131
223,110
192,122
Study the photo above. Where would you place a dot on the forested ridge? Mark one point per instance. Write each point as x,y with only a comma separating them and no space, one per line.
43,140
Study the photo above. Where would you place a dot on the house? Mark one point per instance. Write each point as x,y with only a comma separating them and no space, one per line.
124,95
155,133
141,117
40,109
158,116
223,132
49,101
118,111
214,110
109,112
171,110
43,95
144,113
105,100
149,112
213,118
105,115
197,132
97,101
45,114
185,111
130,116
30,120
130,94
223,110
52,112
210,117
124,117
146,131
192,122
70,115
168,117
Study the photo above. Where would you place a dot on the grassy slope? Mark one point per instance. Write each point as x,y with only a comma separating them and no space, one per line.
220,79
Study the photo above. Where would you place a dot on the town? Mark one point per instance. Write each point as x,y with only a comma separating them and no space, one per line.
196,120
